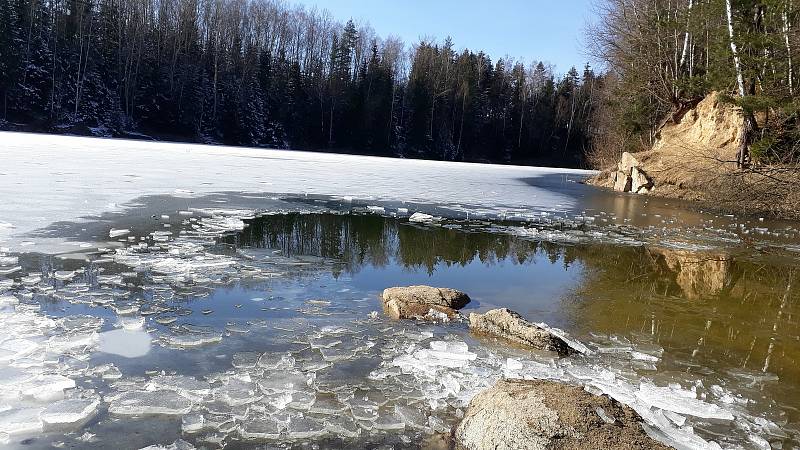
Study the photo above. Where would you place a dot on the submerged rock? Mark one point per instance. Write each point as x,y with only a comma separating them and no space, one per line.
509,325
537,414
423,302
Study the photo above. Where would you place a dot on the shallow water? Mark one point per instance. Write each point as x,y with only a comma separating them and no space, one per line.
237,330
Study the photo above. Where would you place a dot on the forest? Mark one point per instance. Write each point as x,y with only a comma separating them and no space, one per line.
663,56
266,73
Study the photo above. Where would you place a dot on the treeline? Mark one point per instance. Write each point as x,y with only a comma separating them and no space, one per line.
664,56
264,73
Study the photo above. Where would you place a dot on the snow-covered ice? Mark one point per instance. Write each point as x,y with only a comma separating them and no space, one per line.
87,172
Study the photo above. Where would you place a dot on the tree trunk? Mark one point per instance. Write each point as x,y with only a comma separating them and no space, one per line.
686,35
748,125
786,26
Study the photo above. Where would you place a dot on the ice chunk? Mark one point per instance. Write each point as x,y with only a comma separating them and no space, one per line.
188,387
680,438
237,392
302,400
343,426
131,323
180,444
561,334
134,403
16,348
70,412
65,275
126,343
192,340
411,416
8,301
363,413
22,420
451,350
327,404
420,218
305,428
245,360
389,420
680,401
47,387
193,423
65,343
260,429
8,260
604,415
10,270
283,382
13,379
115,233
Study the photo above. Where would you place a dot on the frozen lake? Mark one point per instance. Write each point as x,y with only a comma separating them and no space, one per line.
183,295
64,178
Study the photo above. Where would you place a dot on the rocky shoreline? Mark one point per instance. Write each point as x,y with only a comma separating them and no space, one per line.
523,414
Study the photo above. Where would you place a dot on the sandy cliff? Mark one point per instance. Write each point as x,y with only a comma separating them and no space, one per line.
690,153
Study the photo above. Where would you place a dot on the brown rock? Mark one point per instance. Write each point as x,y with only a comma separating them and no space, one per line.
509,325
423,302
539,415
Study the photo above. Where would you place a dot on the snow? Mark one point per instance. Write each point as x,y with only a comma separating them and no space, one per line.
49,178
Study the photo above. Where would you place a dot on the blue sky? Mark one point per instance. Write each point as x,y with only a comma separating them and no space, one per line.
544,30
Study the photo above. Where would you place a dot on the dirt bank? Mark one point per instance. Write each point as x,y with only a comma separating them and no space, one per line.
694,158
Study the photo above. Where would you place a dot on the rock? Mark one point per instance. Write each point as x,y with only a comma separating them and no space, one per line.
622,182
509,325
538,415
629,177
438,441
690,156
640,182
627,163
423,302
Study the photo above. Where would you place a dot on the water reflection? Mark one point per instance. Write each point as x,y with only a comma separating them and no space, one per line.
719,315
367,240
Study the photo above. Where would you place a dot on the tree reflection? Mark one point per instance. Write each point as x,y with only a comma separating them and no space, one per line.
708,309
358,241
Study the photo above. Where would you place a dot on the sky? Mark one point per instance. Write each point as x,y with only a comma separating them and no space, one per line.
540,30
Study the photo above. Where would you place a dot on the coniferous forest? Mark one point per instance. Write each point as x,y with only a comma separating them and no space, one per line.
269,74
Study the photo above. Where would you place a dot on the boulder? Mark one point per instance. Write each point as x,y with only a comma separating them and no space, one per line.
423,302
539,415
622,181
627,163
640,182
509,325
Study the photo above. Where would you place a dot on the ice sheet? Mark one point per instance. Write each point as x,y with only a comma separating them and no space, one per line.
88,172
